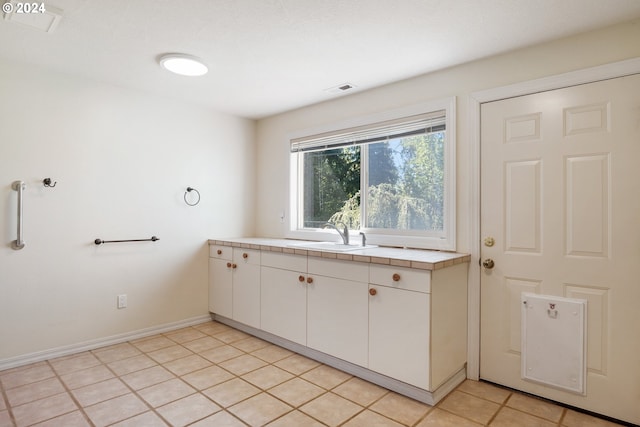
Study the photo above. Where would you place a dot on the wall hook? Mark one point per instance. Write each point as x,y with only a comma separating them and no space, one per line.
47,183
189,190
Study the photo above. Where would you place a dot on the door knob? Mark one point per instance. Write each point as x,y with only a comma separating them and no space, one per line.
488,263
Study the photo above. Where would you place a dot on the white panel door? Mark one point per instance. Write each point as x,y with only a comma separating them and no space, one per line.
560,215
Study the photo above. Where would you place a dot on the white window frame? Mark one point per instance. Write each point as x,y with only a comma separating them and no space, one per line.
447,241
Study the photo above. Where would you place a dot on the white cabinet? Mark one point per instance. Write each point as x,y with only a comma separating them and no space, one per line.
283,296
337,309
399,324
220,280
246,286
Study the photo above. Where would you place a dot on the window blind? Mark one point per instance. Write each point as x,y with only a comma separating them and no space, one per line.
376,132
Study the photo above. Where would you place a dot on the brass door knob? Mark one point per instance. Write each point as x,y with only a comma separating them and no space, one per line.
396,277
372,292
488,263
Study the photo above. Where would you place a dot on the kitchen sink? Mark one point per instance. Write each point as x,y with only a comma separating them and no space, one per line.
329,246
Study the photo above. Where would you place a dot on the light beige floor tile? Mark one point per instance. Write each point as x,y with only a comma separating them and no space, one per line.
185,335
296,419
578,419
85,377
116,352
272,353
147,377
114,410
326,376
359,391
297,364
400,408
297,392
203,344
212,328
250,344
231,335
537,407
33,391
43,409
484,391
267,377
207,377
168,354
242,364
5,419
153,343
146,419
439,418
72,419
187,364
168,391
188,410
231,392
132,364
220,419
26,375
3,406
331,409
508,417
68,364
468,406
260,409
99,392
371,419
220,354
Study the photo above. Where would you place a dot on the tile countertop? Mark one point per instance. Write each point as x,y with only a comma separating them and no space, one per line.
412,258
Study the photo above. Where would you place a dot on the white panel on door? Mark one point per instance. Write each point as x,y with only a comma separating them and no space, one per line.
588,118
598,321
522,128
587,205
553,341
515,288
522,206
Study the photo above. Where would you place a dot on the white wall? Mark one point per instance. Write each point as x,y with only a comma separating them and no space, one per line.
583,51
122,161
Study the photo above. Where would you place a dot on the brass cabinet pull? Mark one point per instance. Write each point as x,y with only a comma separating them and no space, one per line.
372,292
245,255
309,279
301,278
234,265
219,251
396,277
228,265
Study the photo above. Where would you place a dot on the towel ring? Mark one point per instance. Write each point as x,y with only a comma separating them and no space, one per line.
189,190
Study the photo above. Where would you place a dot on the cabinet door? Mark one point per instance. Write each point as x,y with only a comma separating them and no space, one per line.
283,308
220,287
246,287
337,318
399,335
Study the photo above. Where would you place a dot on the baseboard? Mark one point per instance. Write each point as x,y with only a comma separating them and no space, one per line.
101,342
428,397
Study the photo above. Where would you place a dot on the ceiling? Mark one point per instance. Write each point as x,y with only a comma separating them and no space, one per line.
270,56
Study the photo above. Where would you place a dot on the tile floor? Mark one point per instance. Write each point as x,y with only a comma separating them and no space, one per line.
213,375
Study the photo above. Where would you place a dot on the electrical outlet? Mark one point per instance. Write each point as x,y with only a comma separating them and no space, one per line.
122,301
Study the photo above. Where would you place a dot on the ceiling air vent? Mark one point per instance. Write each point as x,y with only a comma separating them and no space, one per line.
39,16
340,88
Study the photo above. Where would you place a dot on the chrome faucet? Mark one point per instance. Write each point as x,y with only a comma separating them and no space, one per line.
344,233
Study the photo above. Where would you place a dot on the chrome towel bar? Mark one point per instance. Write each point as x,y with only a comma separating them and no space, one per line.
100,241
19,242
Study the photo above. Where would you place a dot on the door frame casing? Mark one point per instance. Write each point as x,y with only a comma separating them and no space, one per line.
476,99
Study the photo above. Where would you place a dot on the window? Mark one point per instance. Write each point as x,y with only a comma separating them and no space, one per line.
391,176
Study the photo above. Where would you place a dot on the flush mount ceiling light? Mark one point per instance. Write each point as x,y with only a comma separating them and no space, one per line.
185,65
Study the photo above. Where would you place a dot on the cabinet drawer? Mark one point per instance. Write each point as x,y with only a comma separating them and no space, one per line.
284,261
220,252
347,270
246,256
400,277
